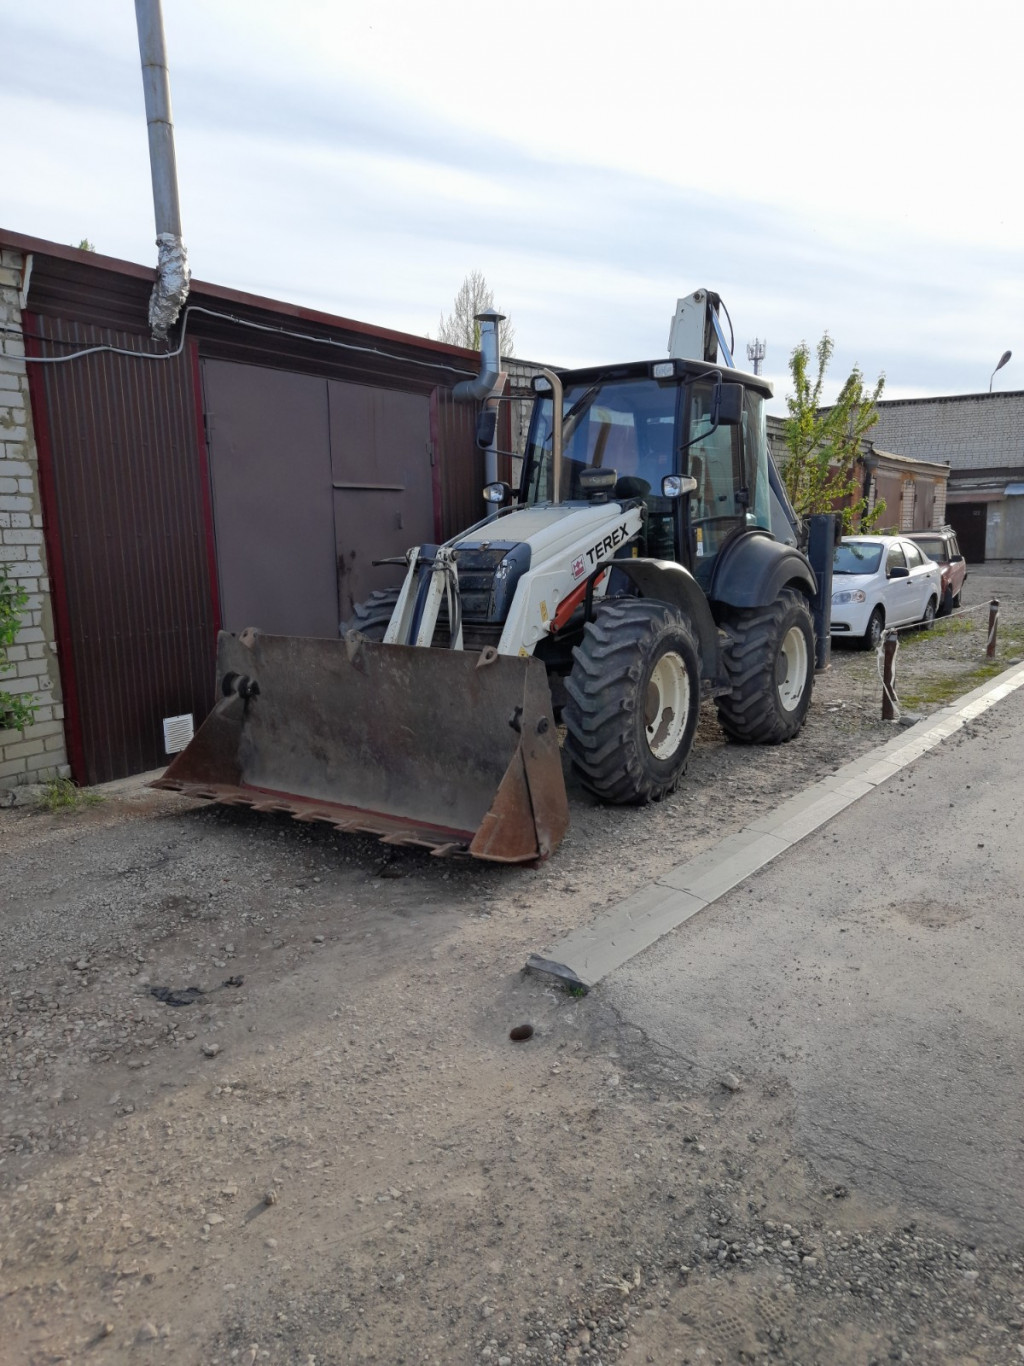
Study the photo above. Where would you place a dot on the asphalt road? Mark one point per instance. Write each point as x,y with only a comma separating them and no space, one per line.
876,970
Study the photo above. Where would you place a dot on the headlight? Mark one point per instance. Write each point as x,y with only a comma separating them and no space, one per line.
849,595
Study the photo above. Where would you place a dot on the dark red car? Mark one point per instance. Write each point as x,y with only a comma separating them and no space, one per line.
941,546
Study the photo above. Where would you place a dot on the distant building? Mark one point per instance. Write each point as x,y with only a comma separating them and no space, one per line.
913,489
981,437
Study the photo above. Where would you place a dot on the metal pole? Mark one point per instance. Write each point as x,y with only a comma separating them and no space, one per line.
888,693
556,433
170,289
993,617
157,88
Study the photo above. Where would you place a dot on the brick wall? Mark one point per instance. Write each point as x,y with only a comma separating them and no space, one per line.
38,752
972,431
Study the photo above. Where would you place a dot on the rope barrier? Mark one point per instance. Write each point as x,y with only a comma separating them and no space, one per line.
960,612
885,657
886,665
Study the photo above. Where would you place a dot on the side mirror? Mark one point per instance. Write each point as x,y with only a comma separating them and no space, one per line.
898,571
486,426
727,405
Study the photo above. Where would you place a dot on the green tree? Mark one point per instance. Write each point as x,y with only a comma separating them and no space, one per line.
460,328
823,443
16,710
86,245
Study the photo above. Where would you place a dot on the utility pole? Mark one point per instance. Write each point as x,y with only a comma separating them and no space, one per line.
755,353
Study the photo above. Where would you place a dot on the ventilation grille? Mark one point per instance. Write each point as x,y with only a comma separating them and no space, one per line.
178,731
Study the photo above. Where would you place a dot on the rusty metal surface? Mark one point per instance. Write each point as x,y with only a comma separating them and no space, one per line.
428,747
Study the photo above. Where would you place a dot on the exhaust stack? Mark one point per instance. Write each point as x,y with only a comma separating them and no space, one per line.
170,289
489,383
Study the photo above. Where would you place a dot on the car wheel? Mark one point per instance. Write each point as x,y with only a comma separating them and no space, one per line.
957,599
872,637
929,614
947,603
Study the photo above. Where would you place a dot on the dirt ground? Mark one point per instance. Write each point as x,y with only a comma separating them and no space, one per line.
259,1101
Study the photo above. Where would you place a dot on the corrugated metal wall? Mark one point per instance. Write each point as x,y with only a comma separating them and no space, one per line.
126,483
124,487
460,463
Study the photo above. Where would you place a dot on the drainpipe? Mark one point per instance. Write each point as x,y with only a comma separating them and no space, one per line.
488,383
170,289
870,466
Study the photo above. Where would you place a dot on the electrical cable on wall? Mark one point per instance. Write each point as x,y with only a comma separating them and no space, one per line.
223,317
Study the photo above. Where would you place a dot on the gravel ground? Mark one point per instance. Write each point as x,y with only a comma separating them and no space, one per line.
329,1151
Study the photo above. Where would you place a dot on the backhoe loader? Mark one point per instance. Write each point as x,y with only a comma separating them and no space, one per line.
648,560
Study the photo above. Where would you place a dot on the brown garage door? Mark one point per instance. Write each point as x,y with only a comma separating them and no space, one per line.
312,480
383,492
969,521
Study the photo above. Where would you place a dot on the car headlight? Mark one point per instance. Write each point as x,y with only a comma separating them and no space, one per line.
849,595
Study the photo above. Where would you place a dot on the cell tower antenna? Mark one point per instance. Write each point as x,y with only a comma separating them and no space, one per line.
755,353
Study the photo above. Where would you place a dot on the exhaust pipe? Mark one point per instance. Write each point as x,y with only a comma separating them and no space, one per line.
170,289
475,390
488,383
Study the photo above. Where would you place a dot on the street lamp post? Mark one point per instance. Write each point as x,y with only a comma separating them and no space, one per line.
1002,361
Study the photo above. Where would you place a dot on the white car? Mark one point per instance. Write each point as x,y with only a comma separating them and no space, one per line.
880,581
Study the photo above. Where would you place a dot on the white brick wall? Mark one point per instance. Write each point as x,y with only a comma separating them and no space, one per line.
38,752
973,431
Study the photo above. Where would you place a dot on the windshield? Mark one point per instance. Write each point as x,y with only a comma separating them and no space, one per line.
932,546
627,426
857,557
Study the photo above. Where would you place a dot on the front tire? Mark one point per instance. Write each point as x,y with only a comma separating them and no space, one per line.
769,660
872,637
928,620
371,618
633,701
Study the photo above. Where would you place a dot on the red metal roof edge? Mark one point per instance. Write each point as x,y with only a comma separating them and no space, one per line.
40,247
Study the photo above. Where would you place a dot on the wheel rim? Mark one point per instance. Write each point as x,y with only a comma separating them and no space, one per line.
667,705
791,669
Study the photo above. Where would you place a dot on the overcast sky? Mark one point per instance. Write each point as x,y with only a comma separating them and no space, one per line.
848,167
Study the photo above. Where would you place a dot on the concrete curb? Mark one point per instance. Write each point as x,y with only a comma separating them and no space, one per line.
587,955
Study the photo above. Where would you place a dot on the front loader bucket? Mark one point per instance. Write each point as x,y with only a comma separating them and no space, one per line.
453,751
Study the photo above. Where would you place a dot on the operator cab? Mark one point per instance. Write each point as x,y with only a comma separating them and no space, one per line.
643,422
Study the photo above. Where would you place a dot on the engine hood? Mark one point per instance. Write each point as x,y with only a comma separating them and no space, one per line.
547,528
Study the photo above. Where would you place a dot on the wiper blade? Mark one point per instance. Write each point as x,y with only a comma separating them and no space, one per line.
571,418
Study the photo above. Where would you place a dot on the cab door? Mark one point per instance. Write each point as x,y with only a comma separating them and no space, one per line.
718,505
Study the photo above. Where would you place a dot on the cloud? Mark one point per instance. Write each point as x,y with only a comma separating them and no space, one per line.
362,158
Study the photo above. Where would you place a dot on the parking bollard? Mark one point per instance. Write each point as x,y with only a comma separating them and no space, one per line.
889,644
993,617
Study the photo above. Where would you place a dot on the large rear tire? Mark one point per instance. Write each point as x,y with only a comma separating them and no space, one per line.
371,618
633,701
769,660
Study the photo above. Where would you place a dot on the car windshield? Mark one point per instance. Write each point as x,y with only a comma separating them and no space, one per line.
856,557
932,546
